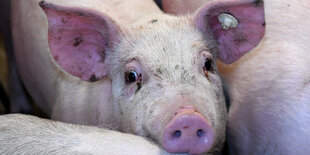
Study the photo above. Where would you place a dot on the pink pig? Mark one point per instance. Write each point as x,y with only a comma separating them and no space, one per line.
269,87
125,65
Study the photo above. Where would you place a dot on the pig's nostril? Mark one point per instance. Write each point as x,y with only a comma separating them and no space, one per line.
200,132
177,134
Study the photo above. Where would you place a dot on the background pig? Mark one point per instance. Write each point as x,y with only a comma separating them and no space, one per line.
269,87
32,135
127,66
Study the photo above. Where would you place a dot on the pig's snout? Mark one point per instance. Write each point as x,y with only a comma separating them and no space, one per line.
188,132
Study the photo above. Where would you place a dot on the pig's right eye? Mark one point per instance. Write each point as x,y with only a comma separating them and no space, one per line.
208,65
131,76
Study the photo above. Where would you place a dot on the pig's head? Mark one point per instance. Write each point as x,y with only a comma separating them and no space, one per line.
165,83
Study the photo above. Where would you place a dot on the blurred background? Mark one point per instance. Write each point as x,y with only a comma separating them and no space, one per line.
4,100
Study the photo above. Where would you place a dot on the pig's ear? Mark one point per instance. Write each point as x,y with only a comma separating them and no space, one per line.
233,42
79,40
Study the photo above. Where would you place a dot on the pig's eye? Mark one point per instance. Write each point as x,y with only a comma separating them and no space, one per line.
208,65
131,76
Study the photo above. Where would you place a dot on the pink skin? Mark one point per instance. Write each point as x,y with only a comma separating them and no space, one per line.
79,42
188,132
82,43
83,53
235,42
269,87
88,63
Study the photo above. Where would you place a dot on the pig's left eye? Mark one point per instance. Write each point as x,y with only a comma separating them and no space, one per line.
131,76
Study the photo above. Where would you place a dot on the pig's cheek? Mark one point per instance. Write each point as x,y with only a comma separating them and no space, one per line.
130,90
155,119
215,79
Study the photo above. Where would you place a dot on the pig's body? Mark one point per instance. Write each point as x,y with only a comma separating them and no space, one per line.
21,131
269,87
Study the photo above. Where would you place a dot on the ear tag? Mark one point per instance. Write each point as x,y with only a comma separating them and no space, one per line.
227,21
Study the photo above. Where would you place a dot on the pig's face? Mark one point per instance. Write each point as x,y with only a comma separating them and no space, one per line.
160,68
165,84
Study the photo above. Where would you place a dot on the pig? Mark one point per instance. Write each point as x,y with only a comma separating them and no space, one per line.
269,87
125,65
21,131
19,102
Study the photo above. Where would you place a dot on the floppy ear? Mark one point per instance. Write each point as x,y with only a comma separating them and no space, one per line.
233,42
79,40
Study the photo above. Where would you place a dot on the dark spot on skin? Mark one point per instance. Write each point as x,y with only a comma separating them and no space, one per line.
239,38
93,78
151,111
159,85
80,14
102,55
288,5
63,20
258,3
56,57
77,41
159,71
185,127
182,107
154,21
264,24
164,49
193,78
60,30
177,67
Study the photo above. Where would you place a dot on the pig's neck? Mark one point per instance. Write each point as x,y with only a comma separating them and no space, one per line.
288,20
130,11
